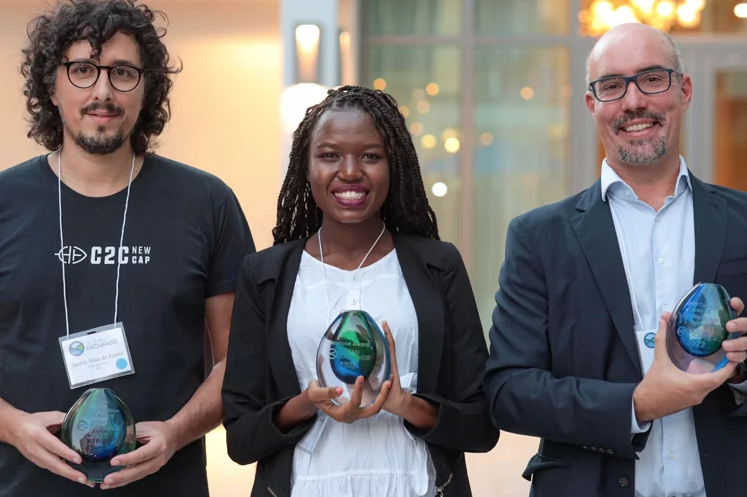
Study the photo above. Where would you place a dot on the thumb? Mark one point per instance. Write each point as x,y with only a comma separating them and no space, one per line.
53,419
660,342
723,374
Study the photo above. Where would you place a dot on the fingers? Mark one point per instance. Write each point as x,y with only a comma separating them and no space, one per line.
736,357
735,344
378,404
660,342
738,325
723,374
53,420
392,349
130,474
737,304
319,394
53,444
356,397
139,455
50,462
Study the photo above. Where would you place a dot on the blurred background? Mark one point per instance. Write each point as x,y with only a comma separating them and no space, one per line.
493,93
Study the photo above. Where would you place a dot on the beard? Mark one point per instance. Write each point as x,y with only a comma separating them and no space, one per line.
100,144
643,152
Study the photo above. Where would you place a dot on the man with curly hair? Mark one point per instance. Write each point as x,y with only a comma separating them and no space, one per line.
114,262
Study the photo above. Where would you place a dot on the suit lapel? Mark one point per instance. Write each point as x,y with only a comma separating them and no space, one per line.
281,361
429,308
709,212
596,234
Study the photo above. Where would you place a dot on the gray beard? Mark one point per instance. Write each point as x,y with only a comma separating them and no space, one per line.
643,153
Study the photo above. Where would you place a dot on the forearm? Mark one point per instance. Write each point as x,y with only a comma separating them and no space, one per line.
580,411
418,412
294,412
8,413
203,412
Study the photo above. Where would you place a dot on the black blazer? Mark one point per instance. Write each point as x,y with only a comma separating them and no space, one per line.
563,357
260,376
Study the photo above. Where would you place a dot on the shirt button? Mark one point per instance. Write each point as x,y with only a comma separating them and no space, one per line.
624,482
671,456
661,260
355,277
354,301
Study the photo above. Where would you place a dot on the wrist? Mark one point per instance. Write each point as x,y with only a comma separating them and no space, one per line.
177,435
9,417
307,407
403,407
639,405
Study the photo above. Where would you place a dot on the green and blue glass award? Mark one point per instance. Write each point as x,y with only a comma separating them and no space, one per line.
697,329
353,346
98,427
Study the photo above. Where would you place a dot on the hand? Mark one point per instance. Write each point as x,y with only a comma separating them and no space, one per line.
736,348
322,400
398,400
33,437
666,389
160,444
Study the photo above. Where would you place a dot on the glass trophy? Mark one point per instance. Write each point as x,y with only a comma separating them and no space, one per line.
353,346
697,329
98,427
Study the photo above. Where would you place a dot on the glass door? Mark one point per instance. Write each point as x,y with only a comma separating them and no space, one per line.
716,125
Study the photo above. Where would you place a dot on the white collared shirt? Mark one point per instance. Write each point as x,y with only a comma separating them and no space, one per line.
660,251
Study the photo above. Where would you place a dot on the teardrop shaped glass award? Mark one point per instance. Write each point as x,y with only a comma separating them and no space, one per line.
98,427
353,346
697,329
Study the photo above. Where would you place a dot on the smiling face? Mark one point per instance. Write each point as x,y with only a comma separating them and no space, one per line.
638,129
348,167
99,119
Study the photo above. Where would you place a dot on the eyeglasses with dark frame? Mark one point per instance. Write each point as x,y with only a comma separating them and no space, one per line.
122,77
649,82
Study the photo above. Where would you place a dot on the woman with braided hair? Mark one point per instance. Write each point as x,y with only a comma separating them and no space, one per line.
355,231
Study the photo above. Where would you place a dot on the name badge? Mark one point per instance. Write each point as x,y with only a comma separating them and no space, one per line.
645,340
96,355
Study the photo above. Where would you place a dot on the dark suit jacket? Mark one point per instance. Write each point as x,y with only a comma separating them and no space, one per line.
563,356
260,376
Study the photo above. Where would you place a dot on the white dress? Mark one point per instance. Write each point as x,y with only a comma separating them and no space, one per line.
370,457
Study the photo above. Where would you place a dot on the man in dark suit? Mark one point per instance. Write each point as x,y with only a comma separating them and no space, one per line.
588,282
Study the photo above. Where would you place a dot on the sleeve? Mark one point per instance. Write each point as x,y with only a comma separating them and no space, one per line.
232,241
523,394
248,415
463,423
635,426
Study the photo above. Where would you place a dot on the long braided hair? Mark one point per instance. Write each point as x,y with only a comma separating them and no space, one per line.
406,209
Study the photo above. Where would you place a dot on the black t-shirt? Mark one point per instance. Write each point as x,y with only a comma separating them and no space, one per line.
184,241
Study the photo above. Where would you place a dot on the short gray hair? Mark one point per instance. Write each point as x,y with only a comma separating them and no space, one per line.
679,64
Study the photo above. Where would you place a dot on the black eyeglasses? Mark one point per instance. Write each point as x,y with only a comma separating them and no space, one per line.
648,82
85,74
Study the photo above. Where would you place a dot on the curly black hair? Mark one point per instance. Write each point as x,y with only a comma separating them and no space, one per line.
406,209
95,21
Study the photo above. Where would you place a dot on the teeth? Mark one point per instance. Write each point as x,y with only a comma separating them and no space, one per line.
638,127
350,195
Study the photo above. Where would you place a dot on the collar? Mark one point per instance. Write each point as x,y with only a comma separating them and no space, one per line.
611,179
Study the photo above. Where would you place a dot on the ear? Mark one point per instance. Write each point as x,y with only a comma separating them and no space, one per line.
52,95
591,102
686,90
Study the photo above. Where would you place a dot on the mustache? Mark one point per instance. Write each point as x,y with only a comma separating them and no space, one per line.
108,107
638,114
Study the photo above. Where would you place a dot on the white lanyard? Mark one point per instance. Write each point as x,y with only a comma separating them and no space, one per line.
321,255
62,242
